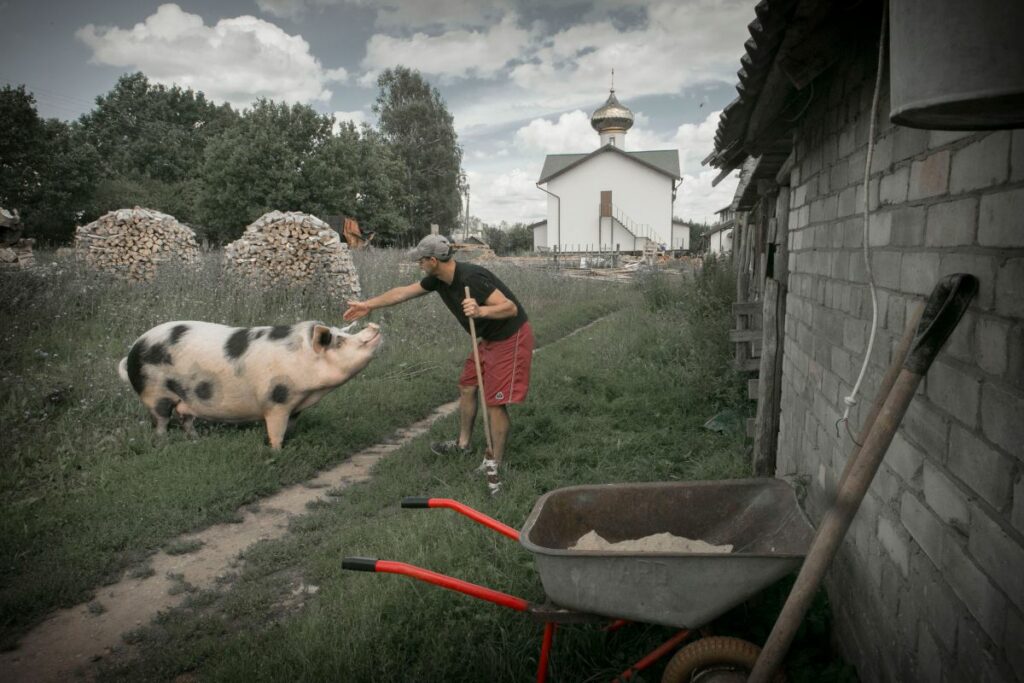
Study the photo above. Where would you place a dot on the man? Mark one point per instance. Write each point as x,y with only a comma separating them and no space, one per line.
506,342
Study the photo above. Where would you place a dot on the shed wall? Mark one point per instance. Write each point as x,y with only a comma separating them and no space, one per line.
929,583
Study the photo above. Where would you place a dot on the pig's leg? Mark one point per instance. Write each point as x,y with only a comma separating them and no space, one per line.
187,420
188,423
277,424
162,414
292,419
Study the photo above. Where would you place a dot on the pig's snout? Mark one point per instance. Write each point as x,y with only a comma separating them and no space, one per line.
370,335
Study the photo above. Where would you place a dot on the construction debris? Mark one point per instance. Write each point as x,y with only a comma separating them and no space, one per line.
293,248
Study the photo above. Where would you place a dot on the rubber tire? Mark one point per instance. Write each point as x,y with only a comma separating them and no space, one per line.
708,652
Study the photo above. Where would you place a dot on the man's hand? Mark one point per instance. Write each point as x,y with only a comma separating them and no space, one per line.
471,308
356,310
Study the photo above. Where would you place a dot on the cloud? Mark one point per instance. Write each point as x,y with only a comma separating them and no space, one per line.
357,117
681,44
570,134
506,195
697,200
460,53
391,14
237,60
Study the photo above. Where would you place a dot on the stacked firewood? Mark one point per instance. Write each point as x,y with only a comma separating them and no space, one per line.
293,248
133,243
14,249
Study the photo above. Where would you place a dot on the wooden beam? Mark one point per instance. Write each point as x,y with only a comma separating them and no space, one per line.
769,395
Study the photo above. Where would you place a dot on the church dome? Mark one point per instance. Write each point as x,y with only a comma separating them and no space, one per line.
612,116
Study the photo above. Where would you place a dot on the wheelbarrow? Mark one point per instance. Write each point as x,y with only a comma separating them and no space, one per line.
760,518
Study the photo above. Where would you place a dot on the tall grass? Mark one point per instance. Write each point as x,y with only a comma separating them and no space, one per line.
86,489
622,401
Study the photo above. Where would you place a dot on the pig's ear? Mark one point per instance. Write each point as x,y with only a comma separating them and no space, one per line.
322,338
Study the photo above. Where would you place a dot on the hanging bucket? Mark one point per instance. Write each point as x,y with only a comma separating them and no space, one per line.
957,64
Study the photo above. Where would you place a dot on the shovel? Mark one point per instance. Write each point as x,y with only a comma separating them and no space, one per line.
945,307
489,456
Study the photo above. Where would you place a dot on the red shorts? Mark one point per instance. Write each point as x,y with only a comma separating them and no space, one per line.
506,368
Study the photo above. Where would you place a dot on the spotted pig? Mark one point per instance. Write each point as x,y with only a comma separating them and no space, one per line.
234,374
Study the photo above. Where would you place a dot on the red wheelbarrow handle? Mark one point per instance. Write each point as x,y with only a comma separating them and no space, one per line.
368,564
475,515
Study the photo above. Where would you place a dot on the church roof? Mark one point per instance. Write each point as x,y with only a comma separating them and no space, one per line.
612,115
664,161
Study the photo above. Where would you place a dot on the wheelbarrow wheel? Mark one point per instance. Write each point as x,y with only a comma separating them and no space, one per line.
707,656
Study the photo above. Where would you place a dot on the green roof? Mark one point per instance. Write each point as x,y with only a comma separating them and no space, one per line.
661,160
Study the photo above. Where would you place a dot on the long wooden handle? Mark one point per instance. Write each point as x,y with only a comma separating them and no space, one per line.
480,383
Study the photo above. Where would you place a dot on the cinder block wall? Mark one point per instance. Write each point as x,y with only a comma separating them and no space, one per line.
929,584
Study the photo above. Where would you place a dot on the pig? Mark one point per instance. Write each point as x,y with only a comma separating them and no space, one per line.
236,374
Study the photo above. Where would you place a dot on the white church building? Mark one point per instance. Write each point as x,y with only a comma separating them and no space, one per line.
611,197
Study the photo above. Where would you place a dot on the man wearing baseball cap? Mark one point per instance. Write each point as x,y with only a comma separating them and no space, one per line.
506,341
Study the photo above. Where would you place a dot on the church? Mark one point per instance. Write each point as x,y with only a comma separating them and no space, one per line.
610,198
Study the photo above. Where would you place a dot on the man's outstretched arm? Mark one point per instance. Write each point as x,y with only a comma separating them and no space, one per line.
359,309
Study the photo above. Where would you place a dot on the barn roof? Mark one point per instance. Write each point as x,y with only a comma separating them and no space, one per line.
791,43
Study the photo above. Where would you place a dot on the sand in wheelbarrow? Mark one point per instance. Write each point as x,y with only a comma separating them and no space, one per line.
656,543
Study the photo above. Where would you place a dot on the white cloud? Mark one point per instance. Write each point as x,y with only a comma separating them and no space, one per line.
237,60
511,195
459,53
357,117
695,141
697,200
570,134
682,43
402,14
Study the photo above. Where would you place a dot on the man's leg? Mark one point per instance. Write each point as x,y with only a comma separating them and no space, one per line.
467,414
500,425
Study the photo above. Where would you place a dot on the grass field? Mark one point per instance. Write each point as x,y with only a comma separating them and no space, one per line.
87,490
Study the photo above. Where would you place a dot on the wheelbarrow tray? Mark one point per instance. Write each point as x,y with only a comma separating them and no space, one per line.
760,517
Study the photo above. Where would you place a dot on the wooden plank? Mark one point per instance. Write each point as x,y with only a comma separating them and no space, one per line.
746,307
769,396
751,426
748,365
744,335
752,385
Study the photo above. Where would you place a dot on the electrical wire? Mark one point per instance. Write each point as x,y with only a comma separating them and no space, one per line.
851,400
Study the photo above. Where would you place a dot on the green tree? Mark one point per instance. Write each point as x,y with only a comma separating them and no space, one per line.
415,121
380,194
274,158
47,169
151,140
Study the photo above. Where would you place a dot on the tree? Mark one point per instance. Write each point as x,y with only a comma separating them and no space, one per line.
151,140
415,121
47,169
274,158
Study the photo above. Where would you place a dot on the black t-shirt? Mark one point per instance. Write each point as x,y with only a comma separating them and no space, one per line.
481,283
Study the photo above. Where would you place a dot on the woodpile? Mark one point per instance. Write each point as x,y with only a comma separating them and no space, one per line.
14,249
133,243
294,248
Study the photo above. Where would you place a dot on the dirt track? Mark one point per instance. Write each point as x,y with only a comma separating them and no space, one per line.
60,648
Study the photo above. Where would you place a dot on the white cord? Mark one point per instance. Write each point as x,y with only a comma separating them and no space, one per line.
851,400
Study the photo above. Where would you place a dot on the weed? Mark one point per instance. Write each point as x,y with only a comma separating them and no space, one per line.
183,546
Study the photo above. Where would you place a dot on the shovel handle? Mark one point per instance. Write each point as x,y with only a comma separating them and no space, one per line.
946,305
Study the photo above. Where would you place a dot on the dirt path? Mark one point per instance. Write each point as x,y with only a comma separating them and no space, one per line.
60,648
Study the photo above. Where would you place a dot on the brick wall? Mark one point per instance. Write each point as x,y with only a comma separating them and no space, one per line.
929,584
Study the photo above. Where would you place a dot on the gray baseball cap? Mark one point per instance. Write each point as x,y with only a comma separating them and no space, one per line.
437,246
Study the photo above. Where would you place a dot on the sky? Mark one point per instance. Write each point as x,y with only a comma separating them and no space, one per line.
520,77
